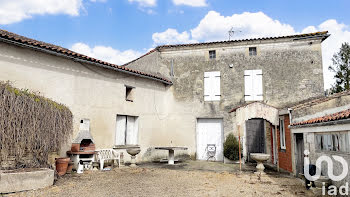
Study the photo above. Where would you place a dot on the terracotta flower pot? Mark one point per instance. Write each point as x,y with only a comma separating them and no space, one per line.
70,167
75,147
62,165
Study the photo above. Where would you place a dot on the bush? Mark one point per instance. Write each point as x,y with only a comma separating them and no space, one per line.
231,147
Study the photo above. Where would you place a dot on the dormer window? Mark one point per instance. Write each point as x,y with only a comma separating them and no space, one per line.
252,51
212,54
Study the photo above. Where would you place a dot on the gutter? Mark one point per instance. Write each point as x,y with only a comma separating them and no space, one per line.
80,60
346,121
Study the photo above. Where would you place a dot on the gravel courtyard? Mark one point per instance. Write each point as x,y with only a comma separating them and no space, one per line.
155,181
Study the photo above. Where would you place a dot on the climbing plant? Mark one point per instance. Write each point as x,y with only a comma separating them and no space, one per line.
31,126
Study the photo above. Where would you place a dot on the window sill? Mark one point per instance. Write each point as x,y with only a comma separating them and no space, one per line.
283,150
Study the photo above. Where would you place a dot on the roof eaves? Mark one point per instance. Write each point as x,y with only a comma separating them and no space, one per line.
18,40
323,35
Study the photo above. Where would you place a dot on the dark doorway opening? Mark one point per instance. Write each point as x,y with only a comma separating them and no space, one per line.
299,153
255,136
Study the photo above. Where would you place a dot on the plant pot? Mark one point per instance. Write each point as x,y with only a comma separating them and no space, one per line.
75,147
70,167
62,165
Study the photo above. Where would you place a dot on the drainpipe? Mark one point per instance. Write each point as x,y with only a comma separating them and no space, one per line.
290,115
278,160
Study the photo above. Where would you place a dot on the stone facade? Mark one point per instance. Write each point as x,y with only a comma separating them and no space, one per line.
292,72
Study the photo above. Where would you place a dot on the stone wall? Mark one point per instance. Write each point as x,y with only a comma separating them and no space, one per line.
331,105
292,72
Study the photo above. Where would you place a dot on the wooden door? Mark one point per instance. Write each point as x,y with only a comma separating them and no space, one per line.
299,153
255,136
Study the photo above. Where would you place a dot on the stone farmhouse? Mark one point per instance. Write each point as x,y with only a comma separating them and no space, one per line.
187,95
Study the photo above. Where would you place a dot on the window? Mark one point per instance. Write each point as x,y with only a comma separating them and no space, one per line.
253,88
212,54
282,134
212,86
127,130
252,51
129,93
335,141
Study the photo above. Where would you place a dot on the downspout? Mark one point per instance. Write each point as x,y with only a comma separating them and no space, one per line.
277,159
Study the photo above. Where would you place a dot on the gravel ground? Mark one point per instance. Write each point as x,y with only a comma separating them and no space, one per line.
167,182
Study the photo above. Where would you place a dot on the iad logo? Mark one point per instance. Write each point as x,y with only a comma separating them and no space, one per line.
316,173
329,162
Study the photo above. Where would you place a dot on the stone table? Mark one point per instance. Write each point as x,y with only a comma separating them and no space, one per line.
171,150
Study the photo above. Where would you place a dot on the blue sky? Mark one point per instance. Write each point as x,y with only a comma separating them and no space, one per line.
120,30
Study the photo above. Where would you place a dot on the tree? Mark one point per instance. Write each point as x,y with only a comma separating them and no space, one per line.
341,68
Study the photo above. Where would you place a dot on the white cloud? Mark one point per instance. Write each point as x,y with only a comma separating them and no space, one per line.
16,11
214,27
193,3
106,53
340,33
171,36
145,3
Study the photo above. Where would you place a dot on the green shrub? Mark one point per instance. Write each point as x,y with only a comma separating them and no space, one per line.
231,147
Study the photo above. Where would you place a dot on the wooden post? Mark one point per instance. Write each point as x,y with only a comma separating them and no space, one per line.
239,147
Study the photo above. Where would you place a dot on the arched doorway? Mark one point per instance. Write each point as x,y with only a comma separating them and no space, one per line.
255,123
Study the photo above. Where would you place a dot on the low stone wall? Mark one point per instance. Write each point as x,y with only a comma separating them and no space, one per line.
14,181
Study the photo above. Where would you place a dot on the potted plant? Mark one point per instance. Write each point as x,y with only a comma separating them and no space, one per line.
231,149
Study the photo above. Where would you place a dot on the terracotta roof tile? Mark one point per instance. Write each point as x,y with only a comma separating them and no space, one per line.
17,39
328,118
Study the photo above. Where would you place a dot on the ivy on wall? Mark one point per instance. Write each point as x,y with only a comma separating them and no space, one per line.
31,126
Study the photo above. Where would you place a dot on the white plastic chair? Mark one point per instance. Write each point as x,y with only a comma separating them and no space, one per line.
107,154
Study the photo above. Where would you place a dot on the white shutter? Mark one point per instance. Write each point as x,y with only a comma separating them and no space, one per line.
120,130
212,86
257,85
131,130
216,86
248,85
207,88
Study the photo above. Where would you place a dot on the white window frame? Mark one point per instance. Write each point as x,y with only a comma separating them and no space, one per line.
211,86
282,133
253,85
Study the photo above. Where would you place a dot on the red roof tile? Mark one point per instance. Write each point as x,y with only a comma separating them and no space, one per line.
331,117
13,38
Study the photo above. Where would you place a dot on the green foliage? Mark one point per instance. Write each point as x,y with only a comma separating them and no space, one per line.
341,68
231,147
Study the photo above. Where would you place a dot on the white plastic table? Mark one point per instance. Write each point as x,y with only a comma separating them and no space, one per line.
171,149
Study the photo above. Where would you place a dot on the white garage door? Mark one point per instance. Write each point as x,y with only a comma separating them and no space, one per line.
209,131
